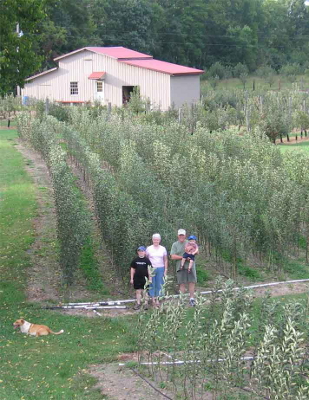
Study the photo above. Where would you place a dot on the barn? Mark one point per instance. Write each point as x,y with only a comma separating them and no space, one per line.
109,75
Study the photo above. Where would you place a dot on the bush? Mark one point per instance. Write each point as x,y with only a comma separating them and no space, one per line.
216,69
240,69
58,111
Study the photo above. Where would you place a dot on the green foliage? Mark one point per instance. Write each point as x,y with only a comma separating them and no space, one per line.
59,112
241,203
239,70
202,276
73,227
268,73
211,34
216,69
17,57
8,105
213,339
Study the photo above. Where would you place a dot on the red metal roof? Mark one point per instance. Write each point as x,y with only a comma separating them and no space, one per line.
119,52
165,67
96,75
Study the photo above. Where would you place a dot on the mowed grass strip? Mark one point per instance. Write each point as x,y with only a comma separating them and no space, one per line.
52,367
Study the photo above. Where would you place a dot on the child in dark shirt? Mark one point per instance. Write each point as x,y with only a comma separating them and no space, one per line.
139,272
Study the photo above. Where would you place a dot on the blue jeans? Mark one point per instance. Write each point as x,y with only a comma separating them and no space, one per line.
157,282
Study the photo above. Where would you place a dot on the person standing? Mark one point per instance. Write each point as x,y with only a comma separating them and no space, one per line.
184,276
157,255
140,267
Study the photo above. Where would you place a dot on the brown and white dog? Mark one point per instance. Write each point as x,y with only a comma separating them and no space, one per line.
34,329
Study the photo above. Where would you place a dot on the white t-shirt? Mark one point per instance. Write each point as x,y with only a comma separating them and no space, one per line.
156,255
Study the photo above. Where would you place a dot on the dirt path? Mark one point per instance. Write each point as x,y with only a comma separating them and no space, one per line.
44,275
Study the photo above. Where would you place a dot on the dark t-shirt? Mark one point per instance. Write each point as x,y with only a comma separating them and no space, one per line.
141,266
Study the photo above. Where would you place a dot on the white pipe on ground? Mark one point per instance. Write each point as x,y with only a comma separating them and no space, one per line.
117,302
180,362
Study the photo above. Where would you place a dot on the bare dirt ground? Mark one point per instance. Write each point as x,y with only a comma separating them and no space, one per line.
44,276
282,290
120,383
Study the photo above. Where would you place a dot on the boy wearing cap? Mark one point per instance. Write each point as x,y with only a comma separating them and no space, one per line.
139,272
191,249
184,277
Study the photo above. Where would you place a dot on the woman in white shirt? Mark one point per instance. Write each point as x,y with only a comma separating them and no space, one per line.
157,254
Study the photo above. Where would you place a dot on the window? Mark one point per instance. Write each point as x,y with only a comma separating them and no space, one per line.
74,87
99,86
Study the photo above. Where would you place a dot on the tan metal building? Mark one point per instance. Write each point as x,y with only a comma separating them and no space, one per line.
109,74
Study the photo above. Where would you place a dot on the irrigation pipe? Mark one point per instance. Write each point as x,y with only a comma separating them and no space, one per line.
115,303
85,307
180,362
101,303
262,285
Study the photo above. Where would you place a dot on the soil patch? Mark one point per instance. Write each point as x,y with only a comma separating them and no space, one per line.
282,290
123,384
109,313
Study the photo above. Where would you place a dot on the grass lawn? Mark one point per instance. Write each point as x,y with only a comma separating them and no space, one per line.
303,146
52,367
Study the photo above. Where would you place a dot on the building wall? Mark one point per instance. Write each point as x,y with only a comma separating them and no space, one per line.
185,90
162,89
153,85
44,86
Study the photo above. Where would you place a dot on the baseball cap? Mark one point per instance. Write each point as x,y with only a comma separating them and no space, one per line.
156,236
192,237
141,248
181,232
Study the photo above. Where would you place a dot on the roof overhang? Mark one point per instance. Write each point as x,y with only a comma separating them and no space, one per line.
41,74
97,76
71,53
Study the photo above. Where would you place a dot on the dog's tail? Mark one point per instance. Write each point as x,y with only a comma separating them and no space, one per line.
57,333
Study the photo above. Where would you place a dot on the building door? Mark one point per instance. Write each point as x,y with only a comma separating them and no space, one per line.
99,91
126,93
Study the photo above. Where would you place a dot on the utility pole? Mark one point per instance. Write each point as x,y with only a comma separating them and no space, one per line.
19,34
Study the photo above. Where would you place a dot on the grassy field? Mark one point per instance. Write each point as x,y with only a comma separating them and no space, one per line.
303,146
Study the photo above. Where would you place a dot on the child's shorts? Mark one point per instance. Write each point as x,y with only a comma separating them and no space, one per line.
139,283
186,255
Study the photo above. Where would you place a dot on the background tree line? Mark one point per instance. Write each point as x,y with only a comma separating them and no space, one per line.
196,33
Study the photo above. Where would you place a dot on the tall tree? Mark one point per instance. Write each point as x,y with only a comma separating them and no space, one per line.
17,56
128,23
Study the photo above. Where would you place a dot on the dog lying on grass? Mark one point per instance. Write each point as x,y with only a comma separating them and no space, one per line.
34,329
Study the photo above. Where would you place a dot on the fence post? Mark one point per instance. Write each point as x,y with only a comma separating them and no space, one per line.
179,115
47,106
109,110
